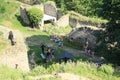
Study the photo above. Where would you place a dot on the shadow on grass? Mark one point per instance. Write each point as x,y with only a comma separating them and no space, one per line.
20,20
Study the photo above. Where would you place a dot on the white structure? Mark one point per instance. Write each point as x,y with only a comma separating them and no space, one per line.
48,17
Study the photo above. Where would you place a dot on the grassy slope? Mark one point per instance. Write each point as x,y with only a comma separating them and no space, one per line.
2,42
80,17
9,17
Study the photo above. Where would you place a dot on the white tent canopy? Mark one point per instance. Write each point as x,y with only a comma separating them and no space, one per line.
48,17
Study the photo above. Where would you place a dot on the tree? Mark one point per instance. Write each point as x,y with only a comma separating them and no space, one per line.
35,16
85,7
111,12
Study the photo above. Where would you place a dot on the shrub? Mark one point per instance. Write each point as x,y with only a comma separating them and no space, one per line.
39,70
9,74
54,68
107,69
35,16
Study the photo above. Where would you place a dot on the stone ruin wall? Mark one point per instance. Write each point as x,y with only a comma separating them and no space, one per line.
63,21
24,16
74,23
50,10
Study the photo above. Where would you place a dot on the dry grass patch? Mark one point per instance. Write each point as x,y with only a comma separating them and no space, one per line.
7,23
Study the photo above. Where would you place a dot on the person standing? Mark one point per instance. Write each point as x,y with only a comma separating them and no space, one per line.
48,57
11,37
60,43
42,47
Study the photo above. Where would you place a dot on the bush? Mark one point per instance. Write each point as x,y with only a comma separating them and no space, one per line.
35,16
39,70
107,69
9,74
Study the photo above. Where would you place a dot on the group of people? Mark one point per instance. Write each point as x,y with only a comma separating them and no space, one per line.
47,53
87,49
57,39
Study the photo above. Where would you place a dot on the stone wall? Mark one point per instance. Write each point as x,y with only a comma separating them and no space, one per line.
59,14
72,22
24,16
63,21
77,23
50,10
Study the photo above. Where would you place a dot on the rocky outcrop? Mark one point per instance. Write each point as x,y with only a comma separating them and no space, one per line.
24,16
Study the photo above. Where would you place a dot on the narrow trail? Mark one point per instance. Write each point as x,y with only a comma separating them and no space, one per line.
14,56
62,76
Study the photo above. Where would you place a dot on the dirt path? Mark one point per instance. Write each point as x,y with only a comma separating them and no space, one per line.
62,76
14,56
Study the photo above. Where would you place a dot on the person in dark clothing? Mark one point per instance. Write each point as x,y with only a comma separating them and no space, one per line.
52,54
48,55
11,37
42,47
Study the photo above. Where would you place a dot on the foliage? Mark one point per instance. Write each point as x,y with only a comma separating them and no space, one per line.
39,71
91,8
35,16
57,30
107,69
112,45
9,74
7,8
89,70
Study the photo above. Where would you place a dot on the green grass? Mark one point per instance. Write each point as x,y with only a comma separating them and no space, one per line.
86,69
57,30
9,74
77,16
73,44
80,68
1,33
7,9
